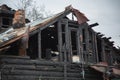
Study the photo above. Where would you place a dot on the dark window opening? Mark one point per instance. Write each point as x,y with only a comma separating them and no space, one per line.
84,45
49,42
32,51
63,34
6,22
74,42
63,28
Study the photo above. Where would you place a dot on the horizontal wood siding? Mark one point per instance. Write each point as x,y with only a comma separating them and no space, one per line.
27,69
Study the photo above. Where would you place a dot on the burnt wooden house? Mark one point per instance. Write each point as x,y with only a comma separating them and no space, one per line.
60,47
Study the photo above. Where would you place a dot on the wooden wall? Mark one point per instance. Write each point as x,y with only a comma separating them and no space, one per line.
23,68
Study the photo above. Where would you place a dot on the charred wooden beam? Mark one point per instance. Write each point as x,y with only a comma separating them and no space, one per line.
101,35
103,50
98,33
39,45
4,48
67,42
60,40
105,38
96,50
112,42
87,35
93,25
109,37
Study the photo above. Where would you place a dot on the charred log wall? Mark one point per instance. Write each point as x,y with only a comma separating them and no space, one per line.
19,68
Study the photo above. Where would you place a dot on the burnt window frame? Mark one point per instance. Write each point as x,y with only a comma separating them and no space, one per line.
4,24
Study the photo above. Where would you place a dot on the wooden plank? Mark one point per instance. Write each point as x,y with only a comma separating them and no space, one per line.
34,73
65,72
67,41
81,43
96,50
70,44
60,40
103,56
22,77
29,62
86,42
93,46
39,45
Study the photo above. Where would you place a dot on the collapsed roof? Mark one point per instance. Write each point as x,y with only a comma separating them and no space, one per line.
12,35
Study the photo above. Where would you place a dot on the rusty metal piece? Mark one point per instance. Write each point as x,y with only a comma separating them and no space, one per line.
81,18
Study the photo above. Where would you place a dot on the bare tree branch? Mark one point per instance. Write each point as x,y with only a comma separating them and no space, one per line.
32,11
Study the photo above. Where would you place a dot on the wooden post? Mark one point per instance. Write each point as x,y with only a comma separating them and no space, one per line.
65,71
67,41
81,44
87,41
95,45
70,45
39,44
60,41
103,50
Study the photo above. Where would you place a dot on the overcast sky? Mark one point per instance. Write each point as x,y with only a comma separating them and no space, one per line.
105,12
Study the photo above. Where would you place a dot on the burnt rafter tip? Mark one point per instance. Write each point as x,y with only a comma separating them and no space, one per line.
109,37
112,42
105,38
93,25
98,33
101,35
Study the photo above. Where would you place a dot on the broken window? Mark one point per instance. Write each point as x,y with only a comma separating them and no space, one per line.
32,51
6,22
